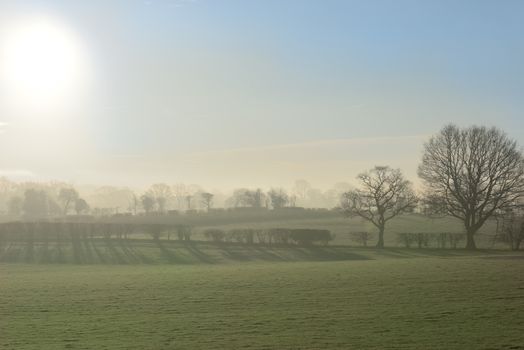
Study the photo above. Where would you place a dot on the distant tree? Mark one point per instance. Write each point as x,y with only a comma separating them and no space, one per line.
15,206
300,191
334,194
81,206
511,228
54,208
161,193
471,174
206,199
67,196
134,203
384,194
189,198
148,203
292,201
279,198
215,235
180,192
362,237
244,197
35,204
256,198
8,189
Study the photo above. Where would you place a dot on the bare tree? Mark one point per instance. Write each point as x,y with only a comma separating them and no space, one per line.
161,193
189,198
15,206
300,191
134,203
279,198
81,206
148,203
180,192
471,174
67,196
384,194
362,237
510,228
244,197
36,204
206,199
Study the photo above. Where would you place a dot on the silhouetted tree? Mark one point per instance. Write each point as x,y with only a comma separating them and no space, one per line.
15,206
189,198
248,198
300,190
81,206
207,199
134,203
362,237
279,198
471,173
67,196
161,193
35,203
511,228
148,203
384,194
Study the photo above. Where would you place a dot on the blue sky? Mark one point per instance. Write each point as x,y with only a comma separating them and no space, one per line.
174,82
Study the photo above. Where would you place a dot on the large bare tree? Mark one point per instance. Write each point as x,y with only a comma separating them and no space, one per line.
383,194
471,174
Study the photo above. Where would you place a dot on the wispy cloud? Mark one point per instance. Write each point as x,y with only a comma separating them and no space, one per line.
361,141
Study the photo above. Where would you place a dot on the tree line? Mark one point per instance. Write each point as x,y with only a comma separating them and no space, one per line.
472,174
45,231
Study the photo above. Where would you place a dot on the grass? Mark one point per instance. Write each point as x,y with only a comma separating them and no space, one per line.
391,299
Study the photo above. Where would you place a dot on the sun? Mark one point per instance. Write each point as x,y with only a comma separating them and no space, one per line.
41,60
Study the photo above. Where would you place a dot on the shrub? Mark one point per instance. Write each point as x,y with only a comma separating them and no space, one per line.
310,236
215,235
361,237
279,235
242,235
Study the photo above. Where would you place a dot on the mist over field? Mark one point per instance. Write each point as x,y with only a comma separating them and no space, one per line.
227,174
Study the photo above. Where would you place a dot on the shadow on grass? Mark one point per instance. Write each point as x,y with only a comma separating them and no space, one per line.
139,251
132,254
169,254
200,256
327,254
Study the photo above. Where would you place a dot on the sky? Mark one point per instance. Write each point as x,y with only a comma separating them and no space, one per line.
232,94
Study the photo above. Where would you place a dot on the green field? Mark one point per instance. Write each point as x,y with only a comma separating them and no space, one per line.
273,299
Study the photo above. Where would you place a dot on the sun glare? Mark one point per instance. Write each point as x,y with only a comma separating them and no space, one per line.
42,61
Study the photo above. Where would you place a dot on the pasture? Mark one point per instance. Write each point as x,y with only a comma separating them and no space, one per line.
353,299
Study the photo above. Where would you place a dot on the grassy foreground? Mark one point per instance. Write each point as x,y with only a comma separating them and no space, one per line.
459,302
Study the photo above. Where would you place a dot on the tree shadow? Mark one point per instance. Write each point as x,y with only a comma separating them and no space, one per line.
132,254
169,254
193,249
229,252
98,253
268,254
316,253
79,256
114,254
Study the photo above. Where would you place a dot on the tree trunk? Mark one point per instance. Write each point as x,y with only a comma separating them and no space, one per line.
380,243
470,240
